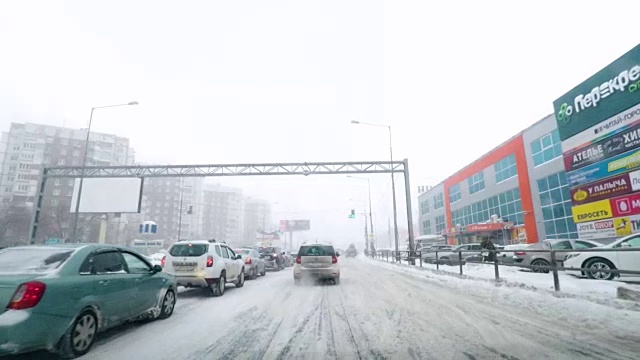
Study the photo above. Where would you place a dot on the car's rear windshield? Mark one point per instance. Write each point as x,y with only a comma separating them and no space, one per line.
267,250
242,251
316,250
189,249
36,260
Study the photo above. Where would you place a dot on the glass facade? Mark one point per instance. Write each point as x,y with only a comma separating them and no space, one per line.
438,201
440,225
476,182
454,193
546,148
424,207
426,227
507,206
505,168
556,207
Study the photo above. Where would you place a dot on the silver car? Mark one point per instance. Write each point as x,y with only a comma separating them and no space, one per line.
316,261
253,264
540,261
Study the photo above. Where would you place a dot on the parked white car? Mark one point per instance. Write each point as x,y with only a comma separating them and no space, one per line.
205,264
606,260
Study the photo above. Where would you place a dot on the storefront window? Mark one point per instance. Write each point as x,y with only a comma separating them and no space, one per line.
506,206
505,168
426,227
476,182
546,148
440,224
556,207
454,193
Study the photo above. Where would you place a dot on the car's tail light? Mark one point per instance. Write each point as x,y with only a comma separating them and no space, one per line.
163,261
298,260
27,295
334,259
209,261
520,253
247,261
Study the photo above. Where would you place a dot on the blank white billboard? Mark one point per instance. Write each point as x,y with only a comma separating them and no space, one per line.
108,195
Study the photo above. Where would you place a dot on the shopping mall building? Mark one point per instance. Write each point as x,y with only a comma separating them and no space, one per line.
515,193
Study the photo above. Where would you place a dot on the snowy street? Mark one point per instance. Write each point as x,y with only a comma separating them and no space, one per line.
377,312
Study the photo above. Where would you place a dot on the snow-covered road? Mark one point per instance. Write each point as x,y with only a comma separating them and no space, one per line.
375,313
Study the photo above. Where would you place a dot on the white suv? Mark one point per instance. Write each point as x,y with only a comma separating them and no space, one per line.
206,264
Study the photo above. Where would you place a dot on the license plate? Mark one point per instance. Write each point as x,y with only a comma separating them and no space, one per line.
184,268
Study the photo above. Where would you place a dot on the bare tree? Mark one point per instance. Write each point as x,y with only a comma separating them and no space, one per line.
14,225
57,222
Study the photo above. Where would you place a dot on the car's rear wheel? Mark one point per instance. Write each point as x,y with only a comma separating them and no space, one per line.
218,287
240,282
264,271
336,281
80,336
168,304
254,273
540,263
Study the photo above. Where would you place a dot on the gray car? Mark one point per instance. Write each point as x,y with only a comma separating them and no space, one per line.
540,261
253,264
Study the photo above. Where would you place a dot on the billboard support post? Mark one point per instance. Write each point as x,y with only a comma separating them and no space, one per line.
407,190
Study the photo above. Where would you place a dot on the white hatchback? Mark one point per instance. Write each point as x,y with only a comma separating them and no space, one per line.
316,261
205,264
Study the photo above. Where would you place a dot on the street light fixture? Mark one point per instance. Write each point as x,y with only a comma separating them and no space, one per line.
84,164
393,182
370,211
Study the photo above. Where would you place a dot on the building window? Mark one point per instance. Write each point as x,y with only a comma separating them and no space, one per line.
426,227
505,168
424,207
54,202
440,224
476,182
454,193
546,148
438,201
556,207
506,206
56,192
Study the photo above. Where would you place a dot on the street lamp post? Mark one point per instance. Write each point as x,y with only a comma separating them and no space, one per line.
393,185
370,211
84,164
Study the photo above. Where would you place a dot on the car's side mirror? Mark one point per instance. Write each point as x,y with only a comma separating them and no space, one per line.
337,254
156,269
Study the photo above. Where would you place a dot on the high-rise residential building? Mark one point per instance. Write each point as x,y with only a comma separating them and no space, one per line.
176,206
24,149
223,214
257,217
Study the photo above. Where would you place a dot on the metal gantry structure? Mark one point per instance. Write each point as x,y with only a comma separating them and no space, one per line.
304,168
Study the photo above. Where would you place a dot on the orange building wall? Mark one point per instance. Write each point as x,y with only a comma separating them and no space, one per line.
515,146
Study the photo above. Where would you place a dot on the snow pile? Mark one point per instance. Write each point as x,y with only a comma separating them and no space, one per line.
599,291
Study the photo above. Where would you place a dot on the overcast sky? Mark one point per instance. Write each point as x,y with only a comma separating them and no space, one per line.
279,81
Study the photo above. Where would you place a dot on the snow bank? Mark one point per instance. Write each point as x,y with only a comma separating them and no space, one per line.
598,291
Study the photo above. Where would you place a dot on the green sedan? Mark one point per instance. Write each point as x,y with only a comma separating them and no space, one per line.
59,297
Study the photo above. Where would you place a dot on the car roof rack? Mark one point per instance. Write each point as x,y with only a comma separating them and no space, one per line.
212,240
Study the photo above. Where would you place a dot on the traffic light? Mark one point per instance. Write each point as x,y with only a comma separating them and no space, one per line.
353,214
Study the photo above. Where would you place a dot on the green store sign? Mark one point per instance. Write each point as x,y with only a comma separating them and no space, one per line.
607,93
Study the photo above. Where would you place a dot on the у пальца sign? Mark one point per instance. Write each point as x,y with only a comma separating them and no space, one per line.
606,189
597,210
616,165
605,94
623,141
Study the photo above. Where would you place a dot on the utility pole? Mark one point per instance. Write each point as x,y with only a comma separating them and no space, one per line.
180,217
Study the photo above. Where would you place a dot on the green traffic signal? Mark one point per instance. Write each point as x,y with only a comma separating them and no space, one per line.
352,216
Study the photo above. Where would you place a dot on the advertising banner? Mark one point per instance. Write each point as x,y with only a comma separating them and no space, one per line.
488,227
295,225
603,189
616,165
621,142
596,210
616,124
616,227
626,205
610,91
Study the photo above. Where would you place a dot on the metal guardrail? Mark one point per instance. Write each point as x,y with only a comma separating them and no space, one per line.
553,267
